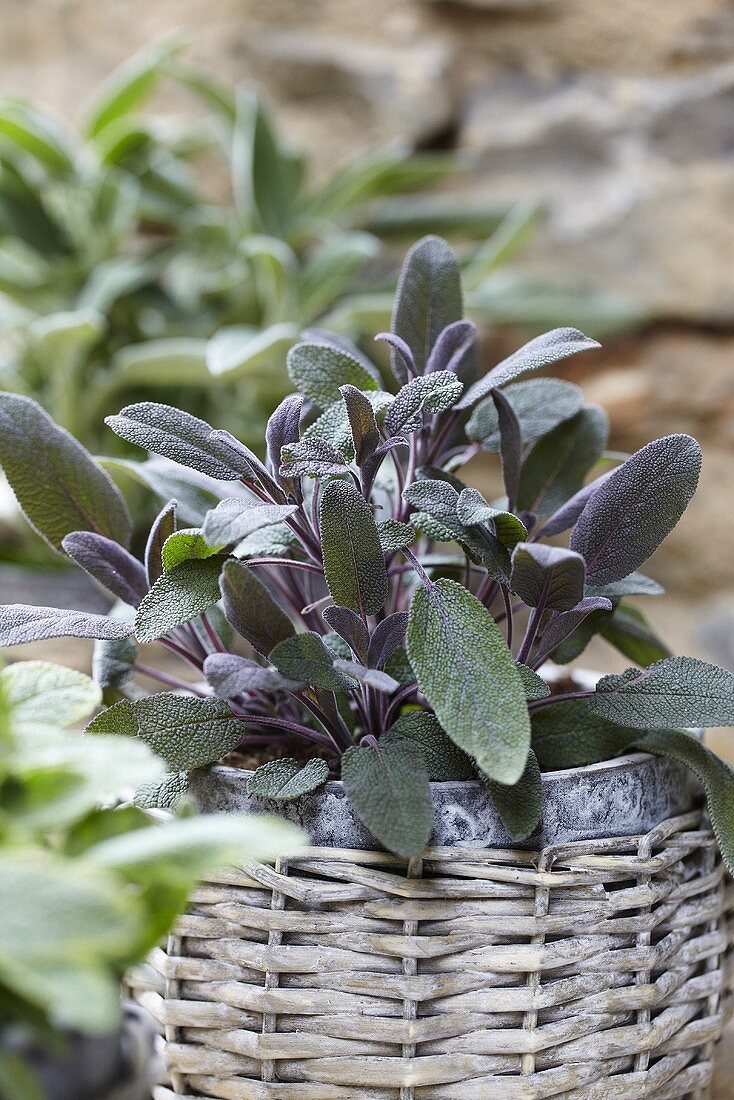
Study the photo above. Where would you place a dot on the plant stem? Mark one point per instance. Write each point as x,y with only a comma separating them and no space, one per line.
535,704
288,563
212,634
171,681
532,629
508,614
289,727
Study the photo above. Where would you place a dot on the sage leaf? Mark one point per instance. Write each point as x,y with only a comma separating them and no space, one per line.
521,804
569,735
388,635
565,517
162,794
21,623
178,596
716,776
556,466
547,576
629,631
312,458
534,685
234,519
636,584
444,761
438,519
305,658
362,423
186,545
163,527
678,691
109,563
428,299
563,626
432,393
388,787
510,445
178,436
59,486
637,507
395,535
370,677
540,405
334,425
112,662
251,609
456,350
350,627
354,563
41,692
318,371
472,508
551,347
186,732
230,675
470,678
283,428
286,779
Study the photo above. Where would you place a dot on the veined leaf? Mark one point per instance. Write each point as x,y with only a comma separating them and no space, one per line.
188,733
319,370
444,761
431,393
472,508
388,635
636,508
21,623
286,779
312,458
186,545
353,560
350,627
470,678
231,675
178,596
395,535
558,463
678,691
388,787
109,563
251,610
519,805
58,484
283,428
636,584
234,519
547,576
305,658
573,629
428,299
629,631
540,405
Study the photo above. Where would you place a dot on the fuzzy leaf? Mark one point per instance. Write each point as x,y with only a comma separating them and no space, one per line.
558,463
678,691
251,610
286,779
186,545
388,635
472,508
547,576
544,350
540,404
565,517
716,776
432,393
163,527
180,437
312,458
445,761
177,597
334,425
535,686
389,789
234,519
283,428
21,623
510,445
629,631
270,542
455,350
305,658
395,535
41,692
58,484
636,584
112,662
350,627
371,677
636,508
186,732
228,674
438,519
569,735
109,563
428,299
562,627
362,423
318,371
521,804
470,678
353,560
162,794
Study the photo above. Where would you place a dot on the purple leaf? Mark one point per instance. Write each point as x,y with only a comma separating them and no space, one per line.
163,527
510,445
563,625
109,563
567,515
365,434
21,623
283,428
547,576
350,627
371,677
401,358
230,675
455,350
388,635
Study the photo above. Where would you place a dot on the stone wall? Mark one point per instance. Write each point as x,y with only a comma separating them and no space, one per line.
618,116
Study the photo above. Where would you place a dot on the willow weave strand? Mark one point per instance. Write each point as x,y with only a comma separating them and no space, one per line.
596,970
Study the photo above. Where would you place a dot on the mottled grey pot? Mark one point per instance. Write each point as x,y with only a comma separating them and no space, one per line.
621,797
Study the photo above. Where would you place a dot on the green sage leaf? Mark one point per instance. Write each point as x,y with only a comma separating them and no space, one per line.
251,609
354,563
556,466
678,691
286,779
178,596
388,787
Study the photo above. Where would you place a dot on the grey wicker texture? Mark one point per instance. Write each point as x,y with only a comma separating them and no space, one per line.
597,969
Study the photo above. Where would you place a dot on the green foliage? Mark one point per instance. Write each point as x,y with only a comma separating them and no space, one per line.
402,661
88,885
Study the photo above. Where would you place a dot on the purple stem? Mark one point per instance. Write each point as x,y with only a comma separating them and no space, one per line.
171,681
535,704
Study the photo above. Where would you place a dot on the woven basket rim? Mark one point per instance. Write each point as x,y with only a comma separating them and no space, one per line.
628,759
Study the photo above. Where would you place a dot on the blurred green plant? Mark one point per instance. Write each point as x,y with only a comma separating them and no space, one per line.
123,271
87,885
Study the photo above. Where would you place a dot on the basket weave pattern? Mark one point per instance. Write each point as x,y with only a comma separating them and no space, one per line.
597,969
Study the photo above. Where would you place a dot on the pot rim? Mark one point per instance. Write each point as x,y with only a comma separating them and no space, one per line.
628,759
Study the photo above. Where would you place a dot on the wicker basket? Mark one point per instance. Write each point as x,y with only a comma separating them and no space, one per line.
595,969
